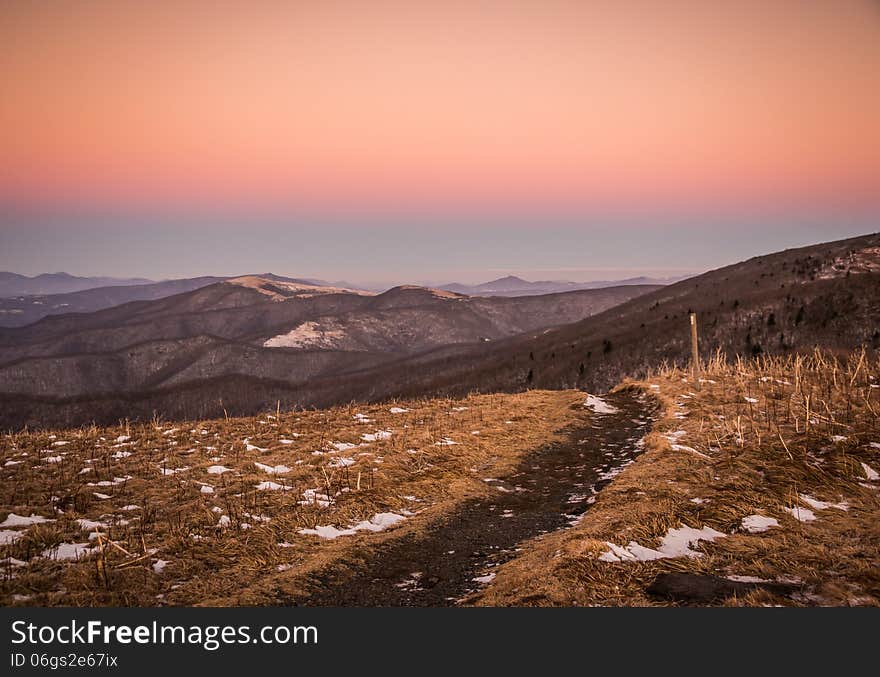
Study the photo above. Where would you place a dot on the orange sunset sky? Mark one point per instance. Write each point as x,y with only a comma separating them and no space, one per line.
350,107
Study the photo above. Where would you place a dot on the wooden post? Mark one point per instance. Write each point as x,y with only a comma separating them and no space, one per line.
695,353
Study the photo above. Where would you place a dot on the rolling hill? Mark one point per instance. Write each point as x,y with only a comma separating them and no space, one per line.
13,284
516,286
133,359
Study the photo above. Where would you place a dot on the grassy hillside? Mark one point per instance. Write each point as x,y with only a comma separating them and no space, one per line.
779,456
213,512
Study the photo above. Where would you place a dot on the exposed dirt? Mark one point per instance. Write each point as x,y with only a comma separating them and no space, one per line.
548,491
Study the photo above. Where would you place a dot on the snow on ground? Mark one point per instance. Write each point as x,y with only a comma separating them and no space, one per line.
488,578
751,400
315,497
110,483
206,489
378,522
252,447
13,520
307,335
822,505
342,446
747,579
398,410
86,524
64,551
270,486
755,524
378,435
871,474
172,471
8,536
272,469
159,566
218,469
340,462
600,406
445,442
676,543
801,514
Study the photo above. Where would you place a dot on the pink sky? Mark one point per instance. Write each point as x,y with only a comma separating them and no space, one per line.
356,106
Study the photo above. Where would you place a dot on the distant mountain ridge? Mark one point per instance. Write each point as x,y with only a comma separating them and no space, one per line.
22,310
512,285
13,284
254,328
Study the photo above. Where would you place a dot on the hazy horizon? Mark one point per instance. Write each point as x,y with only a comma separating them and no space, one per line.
399,141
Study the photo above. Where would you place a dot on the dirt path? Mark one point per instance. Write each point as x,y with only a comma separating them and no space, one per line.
550,489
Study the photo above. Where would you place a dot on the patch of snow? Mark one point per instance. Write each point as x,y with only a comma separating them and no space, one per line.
677,542
13,520
838,438
224,522
123,438
159,566
307,335
270,486
398,410
110,483
172,471
343,446
378,522
218,470
328,532
801,514
616,553
822,505
871,474
747,579
7,536
252,447
67,551
378,435
85,524
751,400
100,496
445,442
340,462
599,406
756,524
272,469
488,578
206,489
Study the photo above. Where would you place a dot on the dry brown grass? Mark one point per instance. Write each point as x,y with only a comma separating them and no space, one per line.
813,422
243,563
